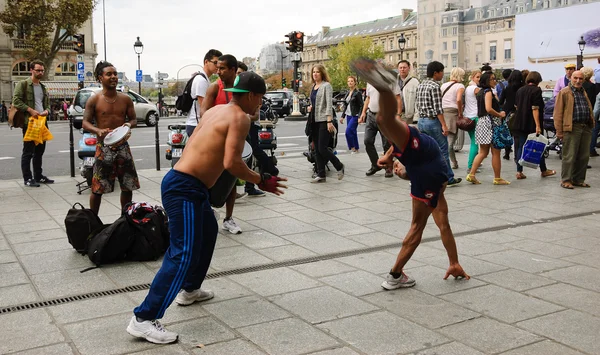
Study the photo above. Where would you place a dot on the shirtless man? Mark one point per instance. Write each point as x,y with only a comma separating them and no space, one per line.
215,146
421,161
110,109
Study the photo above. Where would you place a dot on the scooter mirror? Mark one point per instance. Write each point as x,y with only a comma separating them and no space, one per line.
78,109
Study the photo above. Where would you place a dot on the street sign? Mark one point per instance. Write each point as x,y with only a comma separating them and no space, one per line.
162,75
138,76
80,77
80,57
80,68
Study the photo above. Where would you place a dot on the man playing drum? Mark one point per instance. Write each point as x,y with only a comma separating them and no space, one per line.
110,109
215,146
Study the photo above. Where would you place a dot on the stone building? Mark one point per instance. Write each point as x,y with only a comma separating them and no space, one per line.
384,32
273,58
62,75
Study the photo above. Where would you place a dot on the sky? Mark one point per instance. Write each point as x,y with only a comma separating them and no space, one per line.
177,33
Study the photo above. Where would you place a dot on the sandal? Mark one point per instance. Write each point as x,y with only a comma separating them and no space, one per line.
581,184
472,179
501,181
566,185
374,73
548,173
521,176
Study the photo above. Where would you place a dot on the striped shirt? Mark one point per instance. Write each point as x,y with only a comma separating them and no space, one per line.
429,99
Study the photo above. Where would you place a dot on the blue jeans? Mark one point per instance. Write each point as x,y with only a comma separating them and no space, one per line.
193,230
433,128
520,138
351,134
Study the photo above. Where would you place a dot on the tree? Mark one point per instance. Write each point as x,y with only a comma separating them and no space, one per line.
274,81
340,57
44,26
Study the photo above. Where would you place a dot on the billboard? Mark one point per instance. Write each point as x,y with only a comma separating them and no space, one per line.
546,40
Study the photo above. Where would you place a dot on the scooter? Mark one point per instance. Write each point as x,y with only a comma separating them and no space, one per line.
86,152
267,139
177,140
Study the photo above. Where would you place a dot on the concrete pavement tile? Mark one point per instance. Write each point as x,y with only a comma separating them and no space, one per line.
295,194
246,226
12,274
104,336
488,335
286,252
396,228
54,261
589,259
241,312
383,207
525,261
30,227
586,243
284,225
7,256
56,349
360,216
383,333
545,347
476,223
324,204
430,280
27,237
338,351
91,308
171,349
498,237
492,301
472,247
516,280
343,228
453,348
256,213
19,204
232,347
224,289
19,331
416,306
321,304
356,283
537,213
275,281
310,216
513,218
322,242
224,241
472,266
378,262
538,232
353,199
388,196
71,282
570,297
322,268
287,337
373,239
258,239
575,329
355,188
286,207
129,274
17,294
42,246
3,243
544,248
236,257
578,275
24,218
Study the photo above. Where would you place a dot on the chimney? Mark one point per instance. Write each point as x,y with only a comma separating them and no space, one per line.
406,13
325,30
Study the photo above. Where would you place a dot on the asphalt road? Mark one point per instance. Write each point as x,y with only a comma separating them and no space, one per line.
291,142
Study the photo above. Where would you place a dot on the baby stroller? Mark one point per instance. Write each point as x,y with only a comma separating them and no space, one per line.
310,153
555,144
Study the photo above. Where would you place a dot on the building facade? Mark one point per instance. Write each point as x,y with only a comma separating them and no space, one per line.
62,75
383,32
274,58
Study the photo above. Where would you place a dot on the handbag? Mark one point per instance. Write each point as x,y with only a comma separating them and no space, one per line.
534,148
465,123
501,137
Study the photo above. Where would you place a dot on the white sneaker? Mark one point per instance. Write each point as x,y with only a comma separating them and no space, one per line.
152,331
185,298
229,225
392,283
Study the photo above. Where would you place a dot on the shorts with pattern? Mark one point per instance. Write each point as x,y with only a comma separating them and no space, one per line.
112,163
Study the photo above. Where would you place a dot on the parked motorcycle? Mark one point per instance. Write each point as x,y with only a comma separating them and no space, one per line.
177,140
267,139
86,152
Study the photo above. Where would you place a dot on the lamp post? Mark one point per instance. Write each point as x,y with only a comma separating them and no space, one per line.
401,45
581,44
138,47
282,58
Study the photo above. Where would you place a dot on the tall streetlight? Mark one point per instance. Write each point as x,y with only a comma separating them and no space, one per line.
581,44
282,58
138,47
401,45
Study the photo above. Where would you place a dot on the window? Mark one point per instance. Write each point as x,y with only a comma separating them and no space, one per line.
444,20
454,18
21,68
454,31
519,9
479,29
66,69
391,58
507,49
415,56
445,46
391,44
492,50
506,11
454,61
445,60
445,32
477,58
478,15
492,13
509,24
453,44
492,26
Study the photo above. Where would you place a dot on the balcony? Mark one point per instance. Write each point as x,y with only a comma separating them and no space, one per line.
19,44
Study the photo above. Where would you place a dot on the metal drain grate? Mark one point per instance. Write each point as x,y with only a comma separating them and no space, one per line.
276,265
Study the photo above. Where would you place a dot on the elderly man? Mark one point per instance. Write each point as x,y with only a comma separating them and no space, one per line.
563,81
406,91
574,120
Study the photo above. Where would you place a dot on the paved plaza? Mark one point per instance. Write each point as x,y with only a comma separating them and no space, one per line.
304,277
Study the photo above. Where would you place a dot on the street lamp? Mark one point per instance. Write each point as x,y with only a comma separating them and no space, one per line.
401,45
581,44
138,47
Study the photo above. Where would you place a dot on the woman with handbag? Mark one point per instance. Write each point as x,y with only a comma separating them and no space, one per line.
452,103
470,113
321,108
490,127
352,108
528,118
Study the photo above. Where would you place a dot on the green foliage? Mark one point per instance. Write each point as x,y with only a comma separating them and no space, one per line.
44,25
346,51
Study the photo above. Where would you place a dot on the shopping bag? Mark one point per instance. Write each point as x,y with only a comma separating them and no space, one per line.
532,150
34,130
46,134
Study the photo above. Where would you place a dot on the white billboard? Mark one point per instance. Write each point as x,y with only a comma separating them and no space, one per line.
545,40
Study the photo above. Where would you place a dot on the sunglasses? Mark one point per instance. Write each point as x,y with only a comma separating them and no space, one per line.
215,62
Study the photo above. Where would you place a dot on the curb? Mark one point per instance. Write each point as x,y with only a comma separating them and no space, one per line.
295,118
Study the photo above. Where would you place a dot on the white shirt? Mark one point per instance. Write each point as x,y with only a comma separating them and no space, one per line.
373,96
199,87
470,102
449,99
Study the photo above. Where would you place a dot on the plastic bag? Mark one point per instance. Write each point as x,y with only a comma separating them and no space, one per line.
34,130
533,150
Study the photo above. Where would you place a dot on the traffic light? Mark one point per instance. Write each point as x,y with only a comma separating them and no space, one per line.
79,43
283,82
298,41
289,44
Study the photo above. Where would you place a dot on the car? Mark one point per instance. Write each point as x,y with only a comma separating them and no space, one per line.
145,111
282,101
547,94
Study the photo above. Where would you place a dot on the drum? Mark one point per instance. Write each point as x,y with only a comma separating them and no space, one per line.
117,136
226,182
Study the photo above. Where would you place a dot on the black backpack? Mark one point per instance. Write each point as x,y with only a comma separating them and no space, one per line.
80,223
185,100
150,226
110,243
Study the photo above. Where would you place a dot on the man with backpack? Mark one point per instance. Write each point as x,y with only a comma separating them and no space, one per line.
216,144
195,90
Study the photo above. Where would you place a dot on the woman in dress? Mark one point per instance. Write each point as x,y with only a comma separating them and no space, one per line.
471,112
490,115
352,108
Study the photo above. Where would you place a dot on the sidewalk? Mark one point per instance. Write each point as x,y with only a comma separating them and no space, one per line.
304,277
